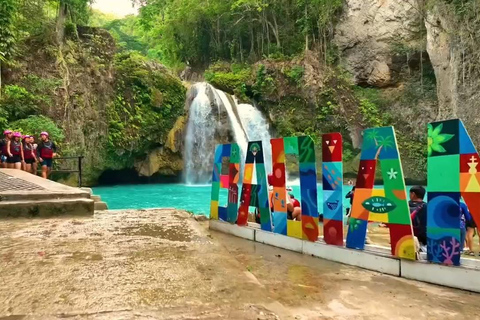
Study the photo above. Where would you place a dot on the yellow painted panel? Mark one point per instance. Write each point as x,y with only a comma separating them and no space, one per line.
294,229
214,210
248,174
378,217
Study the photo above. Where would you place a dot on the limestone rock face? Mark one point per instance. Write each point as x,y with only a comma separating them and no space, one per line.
367,33
162,161
445,61
458,87
166,160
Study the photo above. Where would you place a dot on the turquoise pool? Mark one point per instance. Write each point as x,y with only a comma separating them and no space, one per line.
192,198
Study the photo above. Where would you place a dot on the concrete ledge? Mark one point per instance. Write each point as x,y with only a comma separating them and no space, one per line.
46,208
233,229
455,277
279,240
362,259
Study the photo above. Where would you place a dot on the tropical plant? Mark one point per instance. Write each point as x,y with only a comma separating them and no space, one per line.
436,138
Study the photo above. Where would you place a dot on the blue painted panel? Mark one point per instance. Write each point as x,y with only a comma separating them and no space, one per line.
222,214
443,210
308,175
357,231
218,153
309,202
333,205
466,144
226,150
280,222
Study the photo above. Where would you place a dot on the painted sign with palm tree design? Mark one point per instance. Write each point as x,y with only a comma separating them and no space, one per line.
388,205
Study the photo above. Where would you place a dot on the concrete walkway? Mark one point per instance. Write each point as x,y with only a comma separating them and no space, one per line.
25,195
162,264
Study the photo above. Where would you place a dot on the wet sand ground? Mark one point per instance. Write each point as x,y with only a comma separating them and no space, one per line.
162,264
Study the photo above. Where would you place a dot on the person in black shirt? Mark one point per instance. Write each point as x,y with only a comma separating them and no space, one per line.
418,213
46,151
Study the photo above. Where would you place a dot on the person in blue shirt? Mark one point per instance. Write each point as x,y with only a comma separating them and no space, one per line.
466,223
465,217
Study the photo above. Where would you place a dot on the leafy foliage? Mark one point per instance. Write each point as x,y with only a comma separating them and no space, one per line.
18,102
7,34
199,32
34,125
147,103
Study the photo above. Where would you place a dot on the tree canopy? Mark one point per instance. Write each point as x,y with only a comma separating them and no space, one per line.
201,31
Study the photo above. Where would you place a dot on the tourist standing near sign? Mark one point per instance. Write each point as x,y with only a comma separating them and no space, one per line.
4,148
418,214
46,151
29,154
15,151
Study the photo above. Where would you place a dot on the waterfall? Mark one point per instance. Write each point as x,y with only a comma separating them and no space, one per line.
212,116
238,131
257,128
200,137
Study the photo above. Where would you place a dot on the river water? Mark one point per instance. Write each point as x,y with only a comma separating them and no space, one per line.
180,196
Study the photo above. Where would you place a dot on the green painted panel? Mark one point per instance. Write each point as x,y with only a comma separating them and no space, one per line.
443,173
291,145
215,191
306,150
235,153
392,174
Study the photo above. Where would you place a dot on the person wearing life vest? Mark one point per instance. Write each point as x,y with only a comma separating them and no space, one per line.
34,150
46,151
28,154
7,134
15,151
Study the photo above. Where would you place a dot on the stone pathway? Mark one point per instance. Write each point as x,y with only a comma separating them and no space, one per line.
10,183
162,264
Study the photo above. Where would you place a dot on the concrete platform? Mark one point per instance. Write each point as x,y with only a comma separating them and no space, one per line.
25,195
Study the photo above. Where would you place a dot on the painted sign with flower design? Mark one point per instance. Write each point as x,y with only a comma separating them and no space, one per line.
452,175
388,205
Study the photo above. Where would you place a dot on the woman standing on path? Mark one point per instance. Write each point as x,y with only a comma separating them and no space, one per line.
15,152
46,151
29,154
4,148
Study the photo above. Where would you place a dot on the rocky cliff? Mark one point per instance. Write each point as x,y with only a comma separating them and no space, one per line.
116,108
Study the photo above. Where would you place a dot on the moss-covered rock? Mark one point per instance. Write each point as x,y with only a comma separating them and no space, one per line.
113,108
148,100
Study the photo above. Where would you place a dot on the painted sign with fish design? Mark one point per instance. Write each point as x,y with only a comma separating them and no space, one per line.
388,205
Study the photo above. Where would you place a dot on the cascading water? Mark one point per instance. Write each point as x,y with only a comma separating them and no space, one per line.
200,138
238,131
257,129
215,118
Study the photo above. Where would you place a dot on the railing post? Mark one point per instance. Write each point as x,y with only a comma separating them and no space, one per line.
80,172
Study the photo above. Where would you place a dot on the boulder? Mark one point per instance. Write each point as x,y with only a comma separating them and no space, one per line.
367,32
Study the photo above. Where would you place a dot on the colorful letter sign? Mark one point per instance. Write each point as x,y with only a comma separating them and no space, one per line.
255,195
452,174
332,173
229,181
304,148
388,205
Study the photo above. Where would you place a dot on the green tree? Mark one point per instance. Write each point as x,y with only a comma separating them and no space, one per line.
7,35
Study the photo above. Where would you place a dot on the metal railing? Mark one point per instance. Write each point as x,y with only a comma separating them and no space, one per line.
77,170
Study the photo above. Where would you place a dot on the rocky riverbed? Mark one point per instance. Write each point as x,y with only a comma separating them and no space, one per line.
162,264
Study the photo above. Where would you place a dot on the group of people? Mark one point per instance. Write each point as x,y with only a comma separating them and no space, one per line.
20,152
